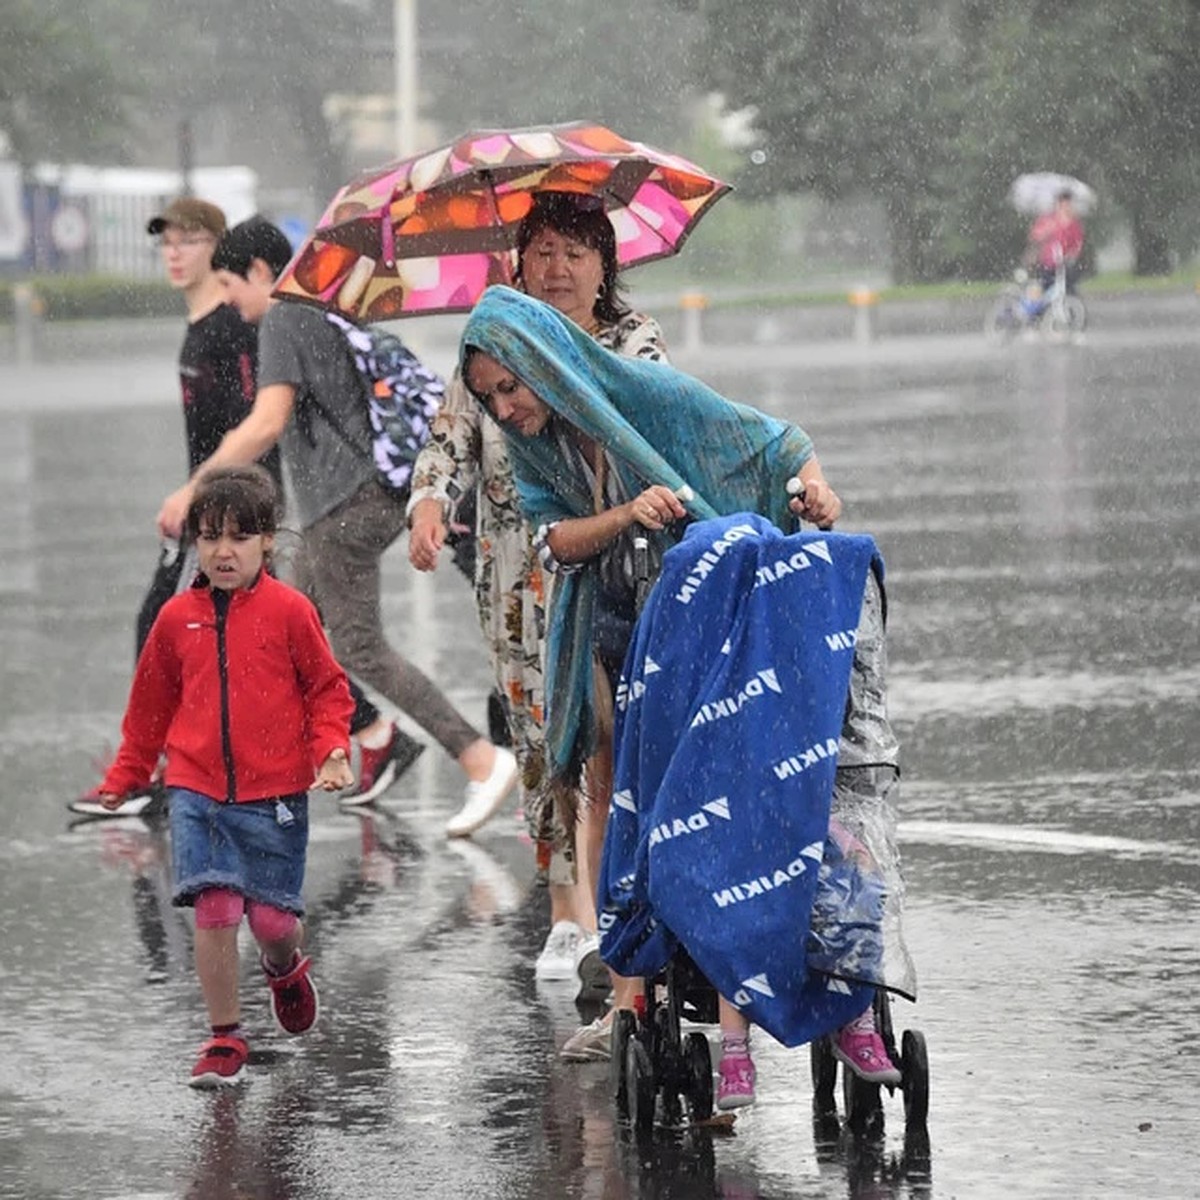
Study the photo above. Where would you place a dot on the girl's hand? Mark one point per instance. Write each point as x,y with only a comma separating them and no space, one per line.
426,535
655,508
335,773
110,800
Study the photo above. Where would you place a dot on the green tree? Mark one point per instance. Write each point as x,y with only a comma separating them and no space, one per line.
60,92
935,108
849,98
1108,91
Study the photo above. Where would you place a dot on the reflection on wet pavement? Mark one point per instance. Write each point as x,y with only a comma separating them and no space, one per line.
1045,663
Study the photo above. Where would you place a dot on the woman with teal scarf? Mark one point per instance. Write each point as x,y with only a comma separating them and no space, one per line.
584,425
602,446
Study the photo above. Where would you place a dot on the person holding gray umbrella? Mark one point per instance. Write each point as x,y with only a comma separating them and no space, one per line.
1056,239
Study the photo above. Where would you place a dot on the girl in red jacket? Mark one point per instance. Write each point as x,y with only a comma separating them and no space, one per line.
237,684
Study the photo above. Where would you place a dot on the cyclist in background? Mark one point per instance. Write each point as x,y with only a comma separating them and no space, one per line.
1056,237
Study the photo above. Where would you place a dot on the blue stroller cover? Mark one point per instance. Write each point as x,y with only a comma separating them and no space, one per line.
731,703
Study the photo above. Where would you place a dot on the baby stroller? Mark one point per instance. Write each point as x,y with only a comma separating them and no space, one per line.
720,863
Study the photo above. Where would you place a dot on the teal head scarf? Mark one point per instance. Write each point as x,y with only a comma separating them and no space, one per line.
659,426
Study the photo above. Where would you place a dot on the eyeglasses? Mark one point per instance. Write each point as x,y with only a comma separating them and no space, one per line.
188,240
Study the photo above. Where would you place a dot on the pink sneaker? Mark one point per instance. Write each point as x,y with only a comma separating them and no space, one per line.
859,1046
736,1087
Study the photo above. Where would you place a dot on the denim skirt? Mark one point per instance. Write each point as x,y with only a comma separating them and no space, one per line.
256,847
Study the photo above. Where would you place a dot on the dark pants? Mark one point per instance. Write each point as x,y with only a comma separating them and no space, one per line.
337,567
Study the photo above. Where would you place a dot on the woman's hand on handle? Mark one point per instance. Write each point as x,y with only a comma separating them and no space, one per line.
813,499
426,535
656,508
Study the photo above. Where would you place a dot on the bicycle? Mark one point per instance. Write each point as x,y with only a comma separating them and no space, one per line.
1056,311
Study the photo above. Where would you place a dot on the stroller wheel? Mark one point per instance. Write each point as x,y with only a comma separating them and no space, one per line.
824,1074
864,1109
914,1068
698,1061
624,1026
639,1086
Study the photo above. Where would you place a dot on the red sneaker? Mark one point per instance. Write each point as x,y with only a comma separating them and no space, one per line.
294,997
379,769
221,1063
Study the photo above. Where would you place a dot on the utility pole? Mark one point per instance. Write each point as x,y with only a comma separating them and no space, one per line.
404,42
186,156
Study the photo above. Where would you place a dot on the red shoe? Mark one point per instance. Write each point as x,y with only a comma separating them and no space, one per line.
379,769
221,1063
294,998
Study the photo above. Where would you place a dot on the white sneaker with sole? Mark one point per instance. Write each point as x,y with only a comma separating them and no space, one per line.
557,959
592,1043
485,797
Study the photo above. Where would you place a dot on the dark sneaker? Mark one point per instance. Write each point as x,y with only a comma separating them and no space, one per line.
594,980
499,733
379,769
149,802
294,997
221,1063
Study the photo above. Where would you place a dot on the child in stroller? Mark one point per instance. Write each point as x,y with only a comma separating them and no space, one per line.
752,837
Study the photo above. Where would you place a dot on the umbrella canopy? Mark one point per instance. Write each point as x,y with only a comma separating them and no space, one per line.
1036,193
428,234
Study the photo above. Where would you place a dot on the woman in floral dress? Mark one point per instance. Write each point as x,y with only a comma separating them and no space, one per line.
566,257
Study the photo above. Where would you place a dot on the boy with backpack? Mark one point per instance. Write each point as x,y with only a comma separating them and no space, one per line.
314,402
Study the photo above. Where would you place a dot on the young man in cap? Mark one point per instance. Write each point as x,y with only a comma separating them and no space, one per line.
216,376
311,400
218,364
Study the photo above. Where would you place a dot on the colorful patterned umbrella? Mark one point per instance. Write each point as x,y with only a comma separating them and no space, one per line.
428,234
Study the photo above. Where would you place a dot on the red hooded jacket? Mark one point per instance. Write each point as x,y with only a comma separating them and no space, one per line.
247,702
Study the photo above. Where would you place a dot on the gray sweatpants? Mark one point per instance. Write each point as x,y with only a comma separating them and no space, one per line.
337,568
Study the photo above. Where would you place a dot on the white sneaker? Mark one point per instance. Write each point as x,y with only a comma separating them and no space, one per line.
557,959
591,1043
485,797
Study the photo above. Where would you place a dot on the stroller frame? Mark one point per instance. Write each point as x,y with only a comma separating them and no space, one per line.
653,1060
653,1064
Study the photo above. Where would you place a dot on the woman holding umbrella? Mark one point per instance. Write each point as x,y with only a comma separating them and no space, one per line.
602,447
567,257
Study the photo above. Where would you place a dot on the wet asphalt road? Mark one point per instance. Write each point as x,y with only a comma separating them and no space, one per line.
1037,509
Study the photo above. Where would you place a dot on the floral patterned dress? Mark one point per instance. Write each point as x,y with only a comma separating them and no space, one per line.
465,451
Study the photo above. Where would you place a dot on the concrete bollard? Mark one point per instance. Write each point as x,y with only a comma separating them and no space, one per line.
27,316
865,302
693,304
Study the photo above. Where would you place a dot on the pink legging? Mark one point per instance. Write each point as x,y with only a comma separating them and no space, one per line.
218,908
